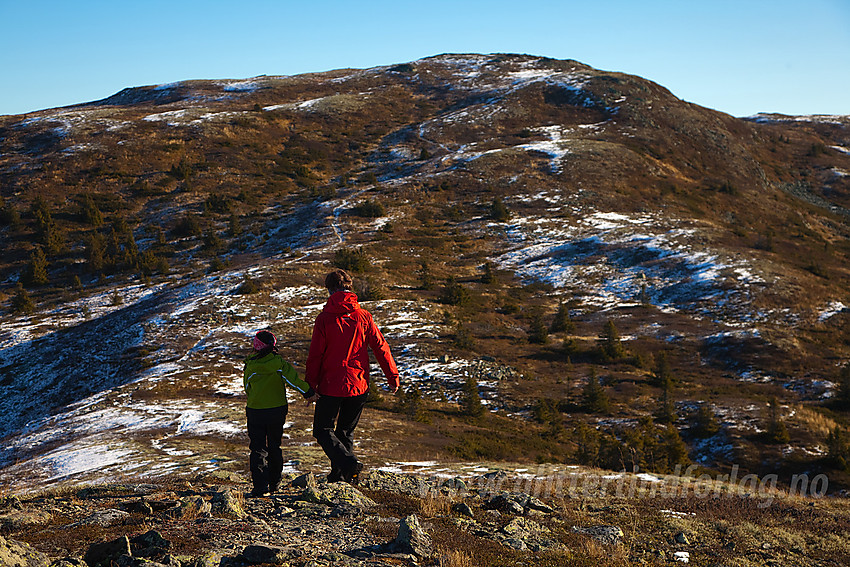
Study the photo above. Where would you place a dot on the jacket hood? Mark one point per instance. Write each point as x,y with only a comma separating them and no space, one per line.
342,302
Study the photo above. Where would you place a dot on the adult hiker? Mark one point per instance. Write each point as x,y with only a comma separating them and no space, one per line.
265,379
338,369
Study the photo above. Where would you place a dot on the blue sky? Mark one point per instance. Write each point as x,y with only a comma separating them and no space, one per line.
740,56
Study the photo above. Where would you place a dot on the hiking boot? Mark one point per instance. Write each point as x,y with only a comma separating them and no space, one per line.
259,493
353,475
335,475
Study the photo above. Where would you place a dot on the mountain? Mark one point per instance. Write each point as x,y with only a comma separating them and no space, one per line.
631,280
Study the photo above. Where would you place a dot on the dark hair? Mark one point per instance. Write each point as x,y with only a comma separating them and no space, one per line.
337,280
267,338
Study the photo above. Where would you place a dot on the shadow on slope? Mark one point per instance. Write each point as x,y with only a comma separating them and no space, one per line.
41,376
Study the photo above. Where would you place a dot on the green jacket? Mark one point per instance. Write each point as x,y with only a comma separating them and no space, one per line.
265,381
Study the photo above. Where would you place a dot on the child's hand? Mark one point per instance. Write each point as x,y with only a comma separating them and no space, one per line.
313,398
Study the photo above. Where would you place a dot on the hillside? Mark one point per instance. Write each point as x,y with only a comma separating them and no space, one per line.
516,224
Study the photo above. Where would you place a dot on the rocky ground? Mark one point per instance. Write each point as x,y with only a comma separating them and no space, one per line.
393,519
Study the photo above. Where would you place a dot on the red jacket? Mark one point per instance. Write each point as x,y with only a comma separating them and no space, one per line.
338,363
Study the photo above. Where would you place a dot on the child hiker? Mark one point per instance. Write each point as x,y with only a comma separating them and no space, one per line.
265,379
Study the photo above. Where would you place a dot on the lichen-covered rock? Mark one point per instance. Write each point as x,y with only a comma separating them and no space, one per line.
336,494
227,503
69,562
609,535
394,482
412,538
17,519
18,554
104,518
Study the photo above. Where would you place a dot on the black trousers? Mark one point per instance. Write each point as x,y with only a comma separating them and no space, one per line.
333,427
265,430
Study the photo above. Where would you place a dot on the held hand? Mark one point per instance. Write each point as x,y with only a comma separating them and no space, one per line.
393,390
313,398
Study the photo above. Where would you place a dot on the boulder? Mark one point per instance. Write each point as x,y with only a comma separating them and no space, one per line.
463,509
149,544
227,503
336,494
104,552
18,554
395,482
412,538
263,554
609,535
104,518
69,562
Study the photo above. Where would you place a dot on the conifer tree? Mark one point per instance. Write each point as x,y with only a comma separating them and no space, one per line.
36,272
89,211
426,280
777,432
488,276
562,322
662,374
611,347
471,400
414,405
674,448
706,423
498,211
94,251
21,301
538,333
454,293
843,397
234,227
594,397
667,410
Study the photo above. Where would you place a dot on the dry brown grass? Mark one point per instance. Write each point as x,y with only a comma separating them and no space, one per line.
813,421
435,505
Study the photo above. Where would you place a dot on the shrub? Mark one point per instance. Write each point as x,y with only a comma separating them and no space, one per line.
498,211
187,226
218,204
248,287
369,209
351,260
181,171
454,293
9,215
234,226
373,291
838,444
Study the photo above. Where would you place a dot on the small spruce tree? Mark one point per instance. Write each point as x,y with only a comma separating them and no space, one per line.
489,276
454,293
610,345
426,279
594,397
498,211
776,432
706,423
843,397
471,400
36,272
562,322
21,301
538,333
